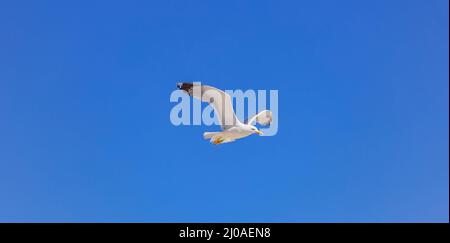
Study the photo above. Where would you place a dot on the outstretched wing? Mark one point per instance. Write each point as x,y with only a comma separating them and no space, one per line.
220,100
264,118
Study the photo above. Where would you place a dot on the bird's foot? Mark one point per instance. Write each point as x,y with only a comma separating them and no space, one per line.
218,141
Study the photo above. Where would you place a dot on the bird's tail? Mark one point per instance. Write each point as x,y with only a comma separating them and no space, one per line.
208,135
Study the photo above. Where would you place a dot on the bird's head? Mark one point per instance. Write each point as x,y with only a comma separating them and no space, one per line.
255,130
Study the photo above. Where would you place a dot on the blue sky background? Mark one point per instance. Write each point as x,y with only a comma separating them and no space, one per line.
363,88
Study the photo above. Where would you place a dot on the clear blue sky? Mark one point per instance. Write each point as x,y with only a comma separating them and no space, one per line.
363,88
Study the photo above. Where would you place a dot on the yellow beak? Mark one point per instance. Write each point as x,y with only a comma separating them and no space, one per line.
259,132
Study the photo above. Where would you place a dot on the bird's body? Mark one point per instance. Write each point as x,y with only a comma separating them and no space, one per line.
228,135
232,127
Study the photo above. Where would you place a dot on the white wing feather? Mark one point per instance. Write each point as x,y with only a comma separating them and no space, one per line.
219,99
264,118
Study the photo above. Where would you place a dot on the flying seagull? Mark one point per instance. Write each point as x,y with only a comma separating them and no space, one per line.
232,128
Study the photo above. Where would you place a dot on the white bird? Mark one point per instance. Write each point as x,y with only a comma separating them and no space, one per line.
232,127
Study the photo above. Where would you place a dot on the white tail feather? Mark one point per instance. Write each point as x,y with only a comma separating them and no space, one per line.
208,135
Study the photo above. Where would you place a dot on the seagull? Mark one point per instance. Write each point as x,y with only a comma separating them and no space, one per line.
232,127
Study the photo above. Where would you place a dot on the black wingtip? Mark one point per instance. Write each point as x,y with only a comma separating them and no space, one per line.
186,87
